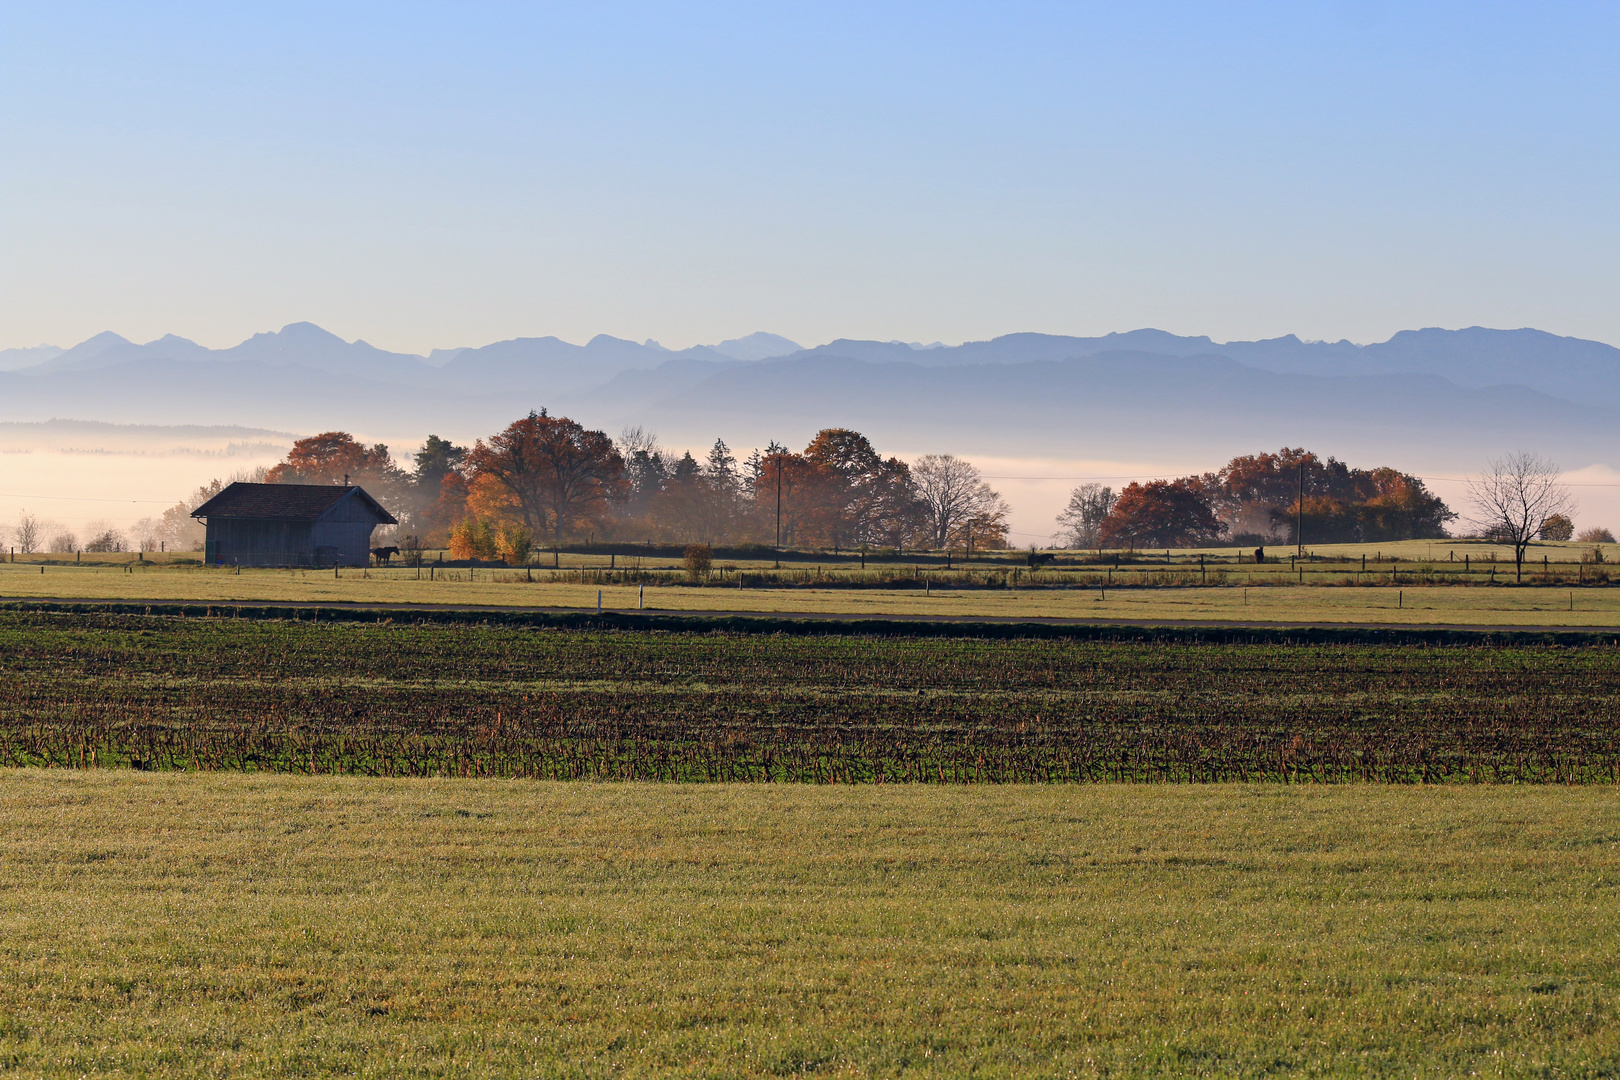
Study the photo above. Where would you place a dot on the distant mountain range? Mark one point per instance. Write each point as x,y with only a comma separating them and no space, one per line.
307,346
1444,395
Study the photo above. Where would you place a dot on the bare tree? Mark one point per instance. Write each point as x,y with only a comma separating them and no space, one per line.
634,439
955,495
1081,520
647,469
182,532
29,531
148,534
1514,497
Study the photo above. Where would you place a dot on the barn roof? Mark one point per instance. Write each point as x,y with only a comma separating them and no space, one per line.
286,502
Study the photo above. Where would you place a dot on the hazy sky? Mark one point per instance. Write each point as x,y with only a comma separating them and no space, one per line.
434,175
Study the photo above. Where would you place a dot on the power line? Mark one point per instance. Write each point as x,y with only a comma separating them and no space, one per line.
1469,479
1139,476
76,498
1131,476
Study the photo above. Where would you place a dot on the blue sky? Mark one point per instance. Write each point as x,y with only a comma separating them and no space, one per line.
435,175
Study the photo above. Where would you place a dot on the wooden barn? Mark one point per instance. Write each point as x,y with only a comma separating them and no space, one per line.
290,525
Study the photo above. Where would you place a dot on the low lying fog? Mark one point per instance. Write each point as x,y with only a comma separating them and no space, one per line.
76,476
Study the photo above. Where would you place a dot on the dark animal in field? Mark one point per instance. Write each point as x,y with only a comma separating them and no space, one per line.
1259,554
383,554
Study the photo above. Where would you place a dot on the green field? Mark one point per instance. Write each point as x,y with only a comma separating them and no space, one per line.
205,925
1406,593
633,557
926,855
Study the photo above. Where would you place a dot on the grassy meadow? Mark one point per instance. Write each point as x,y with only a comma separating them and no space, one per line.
218,924
177,900
1415,593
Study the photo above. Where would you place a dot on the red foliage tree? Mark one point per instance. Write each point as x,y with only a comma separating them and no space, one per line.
331,456
555,472
1162,513
798,493
1259,494
866,499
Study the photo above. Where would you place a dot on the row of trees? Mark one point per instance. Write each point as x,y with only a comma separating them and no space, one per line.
33,533
1293,494
1258,499
546,479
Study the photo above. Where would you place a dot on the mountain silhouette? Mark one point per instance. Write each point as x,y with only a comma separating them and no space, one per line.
757,346
1432,392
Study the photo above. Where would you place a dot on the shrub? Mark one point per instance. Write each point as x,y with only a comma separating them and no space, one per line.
1557,527
1250,540
514,543
472,539
110,540
1596,536
411,547
699,560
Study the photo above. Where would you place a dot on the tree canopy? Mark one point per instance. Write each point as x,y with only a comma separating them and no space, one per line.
549,472
1261,499
559,480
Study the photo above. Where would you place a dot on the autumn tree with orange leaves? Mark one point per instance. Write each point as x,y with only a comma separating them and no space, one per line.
1263,498
548,472
1161,513
865,498
1258,496
335,457
793,496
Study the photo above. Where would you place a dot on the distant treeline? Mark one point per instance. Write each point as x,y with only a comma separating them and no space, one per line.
547,480
1258,499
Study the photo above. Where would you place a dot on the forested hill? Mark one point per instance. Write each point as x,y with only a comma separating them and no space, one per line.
1452,393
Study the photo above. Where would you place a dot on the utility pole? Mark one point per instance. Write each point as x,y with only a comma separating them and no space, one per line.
1299,519
779,510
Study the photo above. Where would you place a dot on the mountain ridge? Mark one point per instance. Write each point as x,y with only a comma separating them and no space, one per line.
1491,390
1569,367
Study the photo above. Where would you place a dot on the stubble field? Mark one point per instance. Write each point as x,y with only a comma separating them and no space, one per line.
389,699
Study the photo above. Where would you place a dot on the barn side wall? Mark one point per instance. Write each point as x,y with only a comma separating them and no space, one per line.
343,533
347,543
249,542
